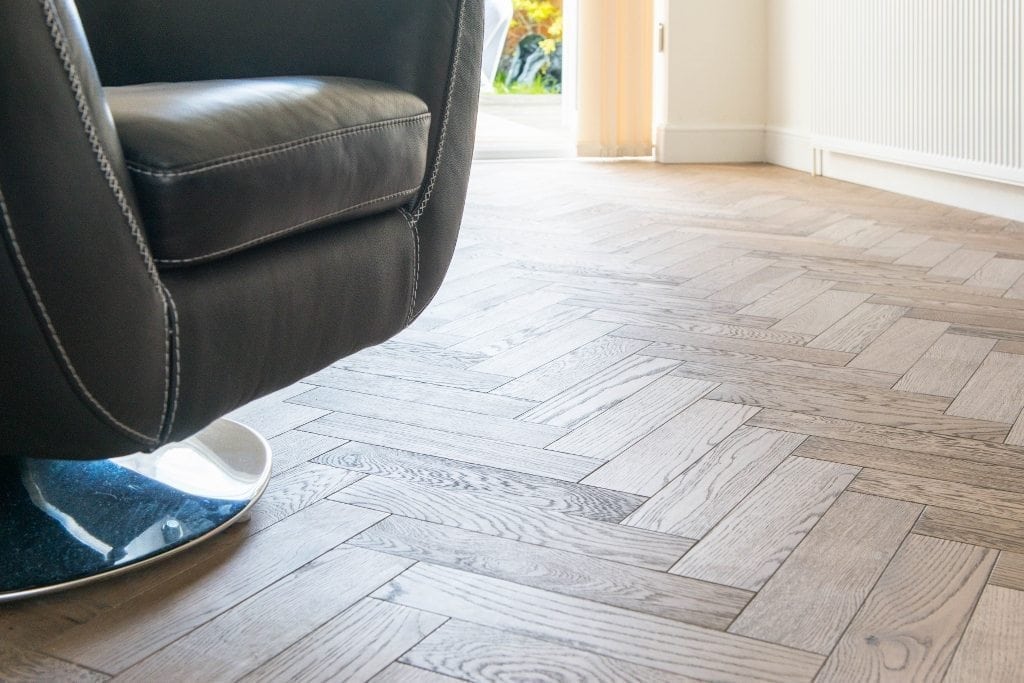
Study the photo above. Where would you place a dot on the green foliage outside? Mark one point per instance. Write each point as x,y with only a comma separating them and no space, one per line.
533,19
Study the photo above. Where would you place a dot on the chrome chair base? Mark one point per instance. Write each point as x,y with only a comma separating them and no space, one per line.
64,523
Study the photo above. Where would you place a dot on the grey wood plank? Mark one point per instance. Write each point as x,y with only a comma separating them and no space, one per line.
115,640
361,642
267,624
1009,571
787,298
717,325
933,586
729,273
564,372
536,352
611,583
897,246
295,490
500,517
928,254
601,629
995,392
526,489
658,458
946,494
999,273
404,673
821,313
990,649
484,298
296,447
21,665
600,392
961,264
460,447
1016,435
899,347
632,419
520,330
747,547
855,331
693,503
698,264
484,320
476,653
947,366
421,392
759,284
815,594
273,415
972,528
432,417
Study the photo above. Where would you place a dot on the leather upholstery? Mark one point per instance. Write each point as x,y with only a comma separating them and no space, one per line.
102,352
220,166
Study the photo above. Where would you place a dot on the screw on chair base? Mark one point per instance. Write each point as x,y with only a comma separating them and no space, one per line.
64,523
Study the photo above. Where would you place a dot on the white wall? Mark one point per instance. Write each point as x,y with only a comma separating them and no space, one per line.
712,81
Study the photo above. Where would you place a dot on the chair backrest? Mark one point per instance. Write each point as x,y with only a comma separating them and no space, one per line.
85,343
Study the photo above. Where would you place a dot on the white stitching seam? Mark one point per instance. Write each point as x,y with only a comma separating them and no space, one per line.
421,207
177,366
290,229
60,43
138,167
41,309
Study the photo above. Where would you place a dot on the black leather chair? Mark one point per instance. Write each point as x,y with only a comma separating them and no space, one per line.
205,201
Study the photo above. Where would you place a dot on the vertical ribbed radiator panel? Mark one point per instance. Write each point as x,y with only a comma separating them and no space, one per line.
932,83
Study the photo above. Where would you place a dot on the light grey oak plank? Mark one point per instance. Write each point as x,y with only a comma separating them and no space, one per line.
578,365
855,331
899,347
611,583
821,313
1009,571
484,298
485,655
115,640
699,264
1016,435
460,447
726,274
947,366
600,392
693,503
999,273
788,298
21,665
961,264
253,632
642,639
404,673
421,392
747,547
432,417
354,646
536,352
483,320
658,458
990,649
521,330
632,419
295,490
717,325
501,517
273,415
972,528
897,246
929,254
296,447
946,494
814,595
755,286
995,392
933,586
526,489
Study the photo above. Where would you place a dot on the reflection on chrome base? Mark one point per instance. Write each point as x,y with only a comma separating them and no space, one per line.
64,522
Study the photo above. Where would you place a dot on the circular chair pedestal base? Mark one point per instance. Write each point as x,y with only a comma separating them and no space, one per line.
64,523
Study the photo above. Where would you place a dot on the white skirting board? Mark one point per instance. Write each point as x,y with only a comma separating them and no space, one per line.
710,144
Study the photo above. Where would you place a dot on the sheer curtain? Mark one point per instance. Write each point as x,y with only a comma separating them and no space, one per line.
615,78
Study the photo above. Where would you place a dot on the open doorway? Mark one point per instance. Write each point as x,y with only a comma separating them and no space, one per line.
527,101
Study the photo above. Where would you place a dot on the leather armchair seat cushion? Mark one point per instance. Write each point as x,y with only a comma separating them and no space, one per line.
221,166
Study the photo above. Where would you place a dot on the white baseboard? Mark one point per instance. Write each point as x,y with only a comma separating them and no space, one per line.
789,148
709,144
984,196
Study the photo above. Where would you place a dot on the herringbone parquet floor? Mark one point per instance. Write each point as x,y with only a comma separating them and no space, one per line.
662,423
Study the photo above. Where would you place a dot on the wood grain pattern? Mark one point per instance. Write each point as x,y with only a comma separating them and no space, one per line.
854,332
545,348
995,392
771,522
972,528
294,448
933,585
821,313
990,650
782,301
19,665
611,631
403,673
611,583
811,599
899,347
1009,571
947,366
947,494
651,463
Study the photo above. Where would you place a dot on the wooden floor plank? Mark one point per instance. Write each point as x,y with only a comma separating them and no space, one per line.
747,547
610,583
295,490
1009,571
403,673
295,447
476,653
503,518
757,285
821,313
536,352
995,392
693,503
782,301
604,630
855,331
961,264
929,254
999,273
972,528
933,585
947,366
814,595
20,664
632,419
990,650
658,458
899,347
248,635
526,489
946,494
